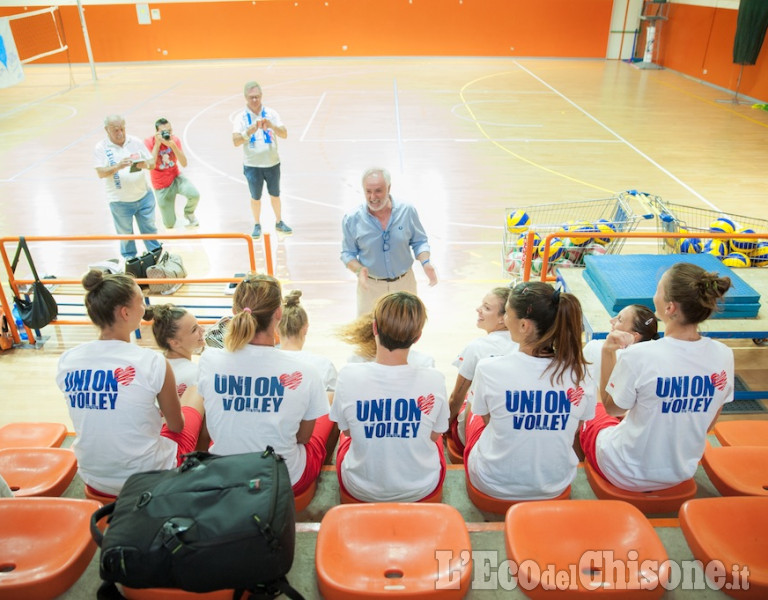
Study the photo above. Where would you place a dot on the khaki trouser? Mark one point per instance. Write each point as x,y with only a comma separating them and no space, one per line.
366,298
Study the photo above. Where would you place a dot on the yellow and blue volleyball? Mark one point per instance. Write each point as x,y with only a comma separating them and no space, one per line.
718,248
744,245
523,240
722,225
518,221
690,246
584,227
556,249
737,260
604,226
759,256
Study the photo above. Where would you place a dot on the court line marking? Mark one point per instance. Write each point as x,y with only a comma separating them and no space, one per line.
464,140
507,150
312,118
619,137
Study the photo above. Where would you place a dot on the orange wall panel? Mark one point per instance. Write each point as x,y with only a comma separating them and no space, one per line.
210,30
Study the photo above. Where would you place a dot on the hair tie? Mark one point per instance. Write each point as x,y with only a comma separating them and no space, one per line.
556,296
247,310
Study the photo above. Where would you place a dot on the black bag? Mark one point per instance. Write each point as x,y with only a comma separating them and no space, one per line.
214,522
137,266
41,308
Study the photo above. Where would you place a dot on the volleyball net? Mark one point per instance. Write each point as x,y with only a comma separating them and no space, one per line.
38,33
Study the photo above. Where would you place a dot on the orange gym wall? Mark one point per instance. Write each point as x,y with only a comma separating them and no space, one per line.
698,41
209,30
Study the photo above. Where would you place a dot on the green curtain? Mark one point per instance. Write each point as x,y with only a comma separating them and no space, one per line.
750,31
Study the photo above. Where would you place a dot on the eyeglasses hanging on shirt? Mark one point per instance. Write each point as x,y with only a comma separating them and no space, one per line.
385,235
265,132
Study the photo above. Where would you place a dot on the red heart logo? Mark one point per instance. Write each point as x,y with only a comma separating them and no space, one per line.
181,388
575,396
426,404
125,376
291,381
719,380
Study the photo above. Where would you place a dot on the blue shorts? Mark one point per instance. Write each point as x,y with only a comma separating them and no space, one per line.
256,177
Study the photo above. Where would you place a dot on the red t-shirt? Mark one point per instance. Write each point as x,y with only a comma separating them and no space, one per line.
167,165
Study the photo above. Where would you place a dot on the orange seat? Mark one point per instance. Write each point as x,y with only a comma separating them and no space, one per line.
45,545
390,550
171,594
742,433
732,530
37,471
436,496
600,546
654,502
32,435
737,470
497,505
302,500
454,455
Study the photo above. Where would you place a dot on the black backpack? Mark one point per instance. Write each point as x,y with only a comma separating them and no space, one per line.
214,522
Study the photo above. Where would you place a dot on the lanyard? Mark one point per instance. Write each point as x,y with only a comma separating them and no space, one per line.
267,134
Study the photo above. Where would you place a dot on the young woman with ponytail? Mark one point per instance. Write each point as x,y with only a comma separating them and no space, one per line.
526,407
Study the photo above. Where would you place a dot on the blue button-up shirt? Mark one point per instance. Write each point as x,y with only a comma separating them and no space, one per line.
386,253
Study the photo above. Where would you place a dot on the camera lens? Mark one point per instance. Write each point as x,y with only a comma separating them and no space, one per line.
166,135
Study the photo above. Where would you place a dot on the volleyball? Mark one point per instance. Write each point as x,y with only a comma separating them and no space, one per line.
565,264
556,249
523,239
518,221
594,248
582,227
737,260
514,262
604,226
536,266
760,255
722,225
715,247
745,245
690,246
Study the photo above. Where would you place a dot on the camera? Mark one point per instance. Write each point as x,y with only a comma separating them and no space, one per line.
166,135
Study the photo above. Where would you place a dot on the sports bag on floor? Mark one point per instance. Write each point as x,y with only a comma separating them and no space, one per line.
215,522
167,266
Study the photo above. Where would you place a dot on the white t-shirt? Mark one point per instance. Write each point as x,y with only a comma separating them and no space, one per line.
324,366
123,186
496,343
390,413
185,372
260,150
526,451
415,359
257,397
673,390
110,389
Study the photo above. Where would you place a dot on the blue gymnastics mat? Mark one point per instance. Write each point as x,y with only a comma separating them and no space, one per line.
619,281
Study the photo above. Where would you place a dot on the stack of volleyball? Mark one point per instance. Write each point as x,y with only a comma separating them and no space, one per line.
736,252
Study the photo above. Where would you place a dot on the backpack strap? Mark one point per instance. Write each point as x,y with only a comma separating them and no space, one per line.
97,516
23,247
108,591
267,591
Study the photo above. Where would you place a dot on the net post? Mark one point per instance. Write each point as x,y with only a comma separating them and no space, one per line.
86,39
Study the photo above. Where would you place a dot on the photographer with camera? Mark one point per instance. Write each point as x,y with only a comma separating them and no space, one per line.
167,180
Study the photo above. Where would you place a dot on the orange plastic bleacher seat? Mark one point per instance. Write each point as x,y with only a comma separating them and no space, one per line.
732,530
390,549
742,433
32,435
497,505
436,496
456,457
737,470
655,502
92,494
45,545
302,500
583,548
37,471
172,594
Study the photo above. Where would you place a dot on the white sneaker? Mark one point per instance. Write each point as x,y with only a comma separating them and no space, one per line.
191,220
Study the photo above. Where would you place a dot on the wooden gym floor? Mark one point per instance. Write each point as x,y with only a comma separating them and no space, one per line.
464,138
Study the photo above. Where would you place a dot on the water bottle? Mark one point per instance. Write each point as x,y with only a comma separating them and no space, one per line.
19,324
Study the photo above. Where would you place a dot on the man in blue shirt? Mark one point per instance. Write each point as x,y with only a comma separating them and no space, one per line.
380,240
